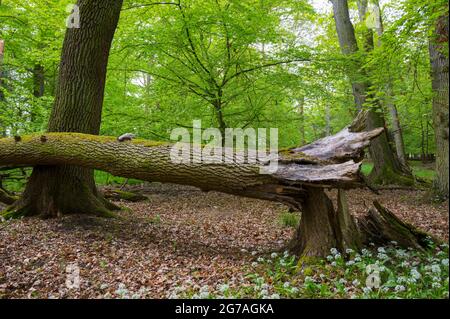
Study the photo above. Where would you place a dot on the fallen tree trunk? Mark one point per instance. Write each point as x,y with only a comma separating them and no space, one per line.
147,160
299,181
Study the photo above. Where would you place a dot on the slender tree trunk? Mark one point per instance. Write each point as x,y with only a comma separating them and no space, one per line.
387,169
57,190
301,109
38,81
2,48
38,85
397,128
2,95
438,48
327,120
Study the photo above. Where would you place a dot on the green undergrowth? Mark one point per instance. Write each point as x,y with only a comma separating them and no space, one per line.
104,178
289,219
419,170
383,272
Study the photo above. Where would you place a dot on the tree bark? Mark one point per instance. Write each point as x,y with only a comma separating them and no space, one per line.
78,104
2,48
438,48
387,168
2,94
328,162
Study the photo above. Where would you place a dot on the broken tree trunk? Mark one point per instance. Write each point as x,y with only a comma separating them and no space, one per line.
299,181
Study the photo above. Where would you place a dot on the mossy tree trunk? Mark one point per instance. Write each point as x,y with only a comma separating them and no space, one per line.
438,48
78,104
2,94
387,167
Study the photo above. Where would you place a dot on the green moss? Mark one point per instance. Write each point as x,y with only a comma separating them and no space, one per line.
14,213
289,155
388,177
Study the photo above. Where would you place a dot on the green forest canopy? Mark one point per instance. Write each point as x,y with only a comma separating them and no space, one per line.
263,57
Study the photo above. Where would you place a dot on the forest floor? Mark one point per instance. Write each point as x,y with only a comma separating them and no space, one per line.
180,235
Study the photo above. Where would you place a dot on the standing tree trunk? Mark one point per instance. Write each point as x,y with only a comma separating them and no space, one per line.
438,48
56,190
2,48
397,128
387,169
38,81
2,95
301,109
327,119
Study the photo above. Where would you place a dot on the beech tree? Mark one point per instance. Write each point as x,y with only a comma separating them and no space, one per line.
387,168
439,72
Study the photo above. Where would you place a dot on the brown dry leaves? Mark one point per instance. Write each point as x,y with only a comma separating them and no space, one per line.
180,235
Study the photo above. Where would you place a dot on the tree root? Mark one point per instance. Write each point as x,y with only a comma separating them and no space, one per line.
322,228
115,194
6,198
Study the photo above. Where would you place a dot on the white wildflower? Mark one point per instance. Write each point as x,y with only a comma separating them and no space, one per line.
274,255
405,264
309,279
445,262
436,269
382,256
366,290
204,289
204,295
223,288
415,274
366,253
436,285
400,288
264,292
402,279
